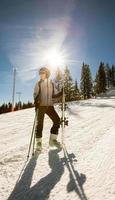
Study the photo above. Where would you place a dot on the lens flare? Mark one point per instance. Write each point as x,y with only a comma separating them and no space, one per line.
54,58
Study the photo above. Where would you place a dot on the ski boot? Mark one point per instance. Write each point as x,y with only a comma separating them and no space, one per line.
53,143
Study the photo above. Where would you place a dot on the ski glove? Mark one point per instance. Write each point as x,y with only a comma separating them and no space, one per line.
57,95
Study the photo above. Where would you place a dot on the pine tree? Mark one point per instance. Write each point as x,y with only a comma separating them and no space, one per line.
86,81
19,105
9,107
3,108
96,84
58,79
29,105
101,79
23,106
16,107
76,86
113,75
76,91
58,83
68,85
108,71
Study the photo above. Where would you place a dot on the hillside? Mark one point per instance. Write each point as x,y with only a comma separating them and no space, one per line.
83,170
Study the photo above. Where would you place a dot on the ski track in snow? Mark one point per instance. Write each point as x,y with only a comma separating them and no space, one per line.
85,170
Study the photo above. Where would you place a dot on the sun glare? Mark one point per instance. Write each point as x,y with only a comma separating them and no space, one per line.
54,58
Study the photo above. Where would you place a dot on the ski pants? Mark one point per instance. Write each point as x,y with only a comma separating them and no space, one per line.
50,111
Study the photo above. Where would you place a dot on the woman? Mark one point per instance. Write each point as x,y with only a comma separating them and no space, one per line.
44,92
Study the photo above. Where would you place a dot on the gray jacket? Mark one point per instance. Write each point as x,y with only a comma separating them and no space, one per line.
45,90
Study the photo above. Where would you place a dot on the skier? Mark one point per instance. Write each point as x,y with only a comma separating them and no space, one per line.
44,92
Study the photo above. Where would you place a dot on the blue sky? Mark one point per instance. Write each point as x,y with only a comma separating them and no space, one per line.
83,29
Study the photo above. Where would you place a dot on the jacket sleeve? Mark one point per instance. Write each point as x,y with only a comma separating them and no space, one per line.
36,91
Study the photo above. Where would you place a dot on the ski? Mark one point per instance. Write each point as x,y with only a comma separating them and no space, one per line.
64,120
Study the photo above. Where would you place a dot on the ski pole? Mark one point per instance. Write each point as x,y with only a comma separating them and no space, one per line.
33,145
32,136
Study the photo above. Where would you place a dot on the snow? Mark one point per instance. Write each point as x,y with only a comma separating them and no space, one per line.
84,169
110,93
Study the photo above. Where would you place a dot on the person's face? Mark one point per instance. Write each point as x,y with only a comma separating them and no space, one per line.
43,75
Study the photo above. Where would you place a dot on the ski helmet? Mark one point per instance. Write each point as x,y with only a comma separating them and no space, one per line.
46,70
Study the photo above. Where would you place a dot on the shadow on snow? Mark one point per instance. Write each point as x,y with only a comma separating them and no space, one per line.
41,190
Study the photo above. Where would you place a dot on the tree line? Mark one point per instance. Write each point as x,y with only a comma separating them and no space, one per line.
5,108
88,87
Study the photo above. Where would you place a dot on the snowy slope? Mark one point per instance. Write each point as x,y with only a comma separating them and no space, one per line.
109,93
85,170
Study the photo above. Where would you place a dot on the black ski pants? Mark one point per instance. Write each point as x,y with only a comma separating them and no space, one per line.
50,111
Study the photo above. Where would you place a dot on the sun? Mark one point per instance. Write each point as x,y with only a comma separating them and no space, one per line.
54,58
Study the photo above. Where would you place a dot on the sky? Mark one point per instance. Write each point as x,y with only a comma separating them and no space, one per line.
81,30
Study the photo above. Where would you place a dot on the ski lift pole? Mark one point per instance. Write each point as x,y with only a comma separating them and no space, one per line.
14,85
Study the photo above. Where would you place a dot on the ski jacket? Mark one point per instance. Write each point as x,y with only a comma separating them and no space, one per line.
44,92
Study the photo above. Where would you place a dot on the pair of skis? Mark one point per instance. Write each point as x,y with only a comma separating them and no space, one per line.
64,120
